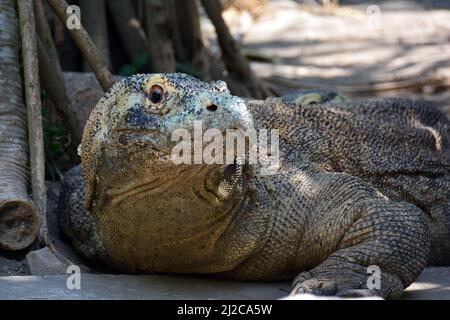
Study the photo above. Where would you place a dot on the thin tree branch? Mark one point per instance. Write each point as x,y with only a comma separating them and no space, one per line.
188,42
54,84
34,111
234,60
51,74
43,30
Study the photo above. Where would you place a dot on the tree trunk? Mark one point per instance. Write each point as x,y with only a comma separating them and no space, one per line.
160,28
54,84
189,47
19,218
93,18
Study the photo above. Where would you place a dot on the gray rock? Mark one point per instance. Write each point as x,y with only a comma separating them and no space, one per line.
84,92
44,262
55,235
11,267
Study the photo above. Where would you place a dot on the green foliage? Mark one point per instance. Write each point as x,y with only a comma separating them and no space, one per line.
52,137
54,140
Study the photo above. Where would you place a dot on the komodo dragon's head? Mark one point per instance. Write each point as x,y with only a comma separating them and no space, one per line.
134,188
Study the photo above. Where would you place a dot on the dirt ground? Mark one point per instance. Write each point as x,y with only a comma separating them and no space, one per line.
405,52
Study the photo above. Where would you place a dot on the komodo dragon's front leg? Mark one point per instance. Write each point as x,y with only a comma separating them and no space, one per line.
375,231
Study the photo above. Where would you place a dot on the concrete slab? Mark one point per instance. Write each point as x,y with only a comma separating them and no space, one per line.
434,283
106,286
44,262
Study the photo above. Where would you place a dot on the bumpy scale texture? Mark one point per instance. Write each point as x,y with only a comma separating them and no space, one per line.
358,185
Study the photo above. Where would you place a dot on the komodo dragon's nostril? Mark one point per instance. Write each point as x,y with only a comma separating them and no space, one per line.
212,107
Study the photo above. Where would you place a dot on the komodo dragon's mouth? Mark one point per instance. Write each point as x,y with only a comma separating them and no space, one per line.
137,131
134,135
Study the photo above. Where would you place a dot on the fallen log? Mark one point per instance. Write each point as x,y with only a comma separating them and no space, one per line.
19,217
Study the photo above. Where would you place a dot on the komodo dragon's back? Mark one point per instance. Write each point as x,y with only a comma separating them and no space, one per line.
400,146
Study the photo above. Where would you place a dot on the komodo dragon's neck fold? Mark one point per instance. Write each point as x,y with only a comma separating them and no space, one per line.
168,211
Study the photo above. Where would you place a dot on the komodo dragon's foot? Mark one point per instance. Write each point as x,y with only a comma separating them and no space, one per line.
383,249
346,279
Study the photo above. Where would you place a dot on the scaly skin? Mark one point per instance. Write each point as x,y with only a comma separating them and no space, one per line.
358,185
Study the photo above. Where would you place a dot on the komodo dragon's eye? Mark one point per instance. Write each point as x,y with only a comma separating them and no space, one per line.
156,93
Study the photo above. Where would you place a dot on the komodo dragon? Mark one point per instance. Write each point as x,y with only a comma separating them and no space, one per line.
359,185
